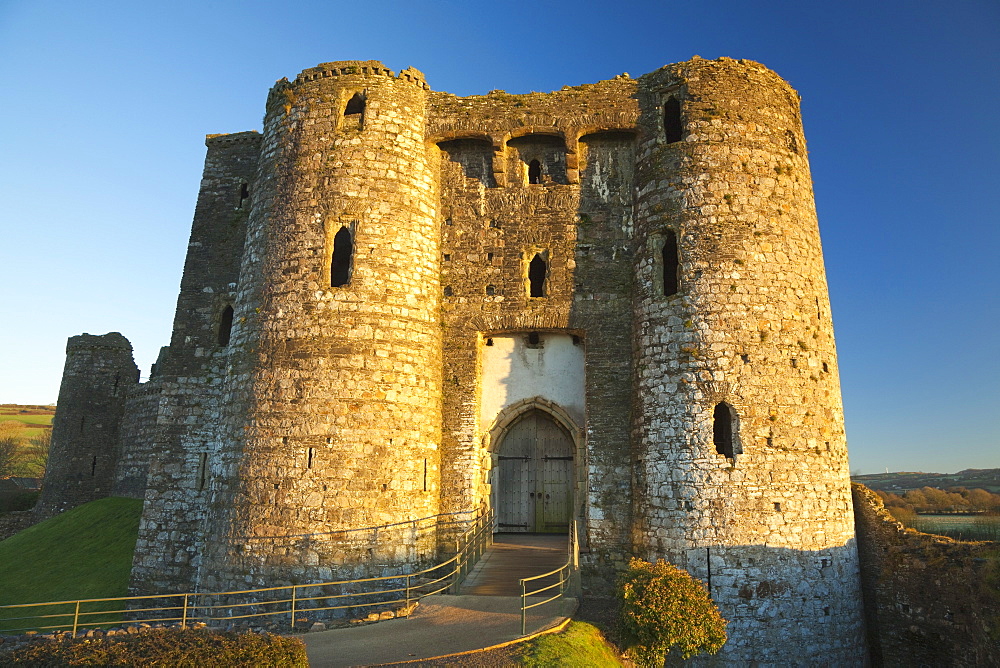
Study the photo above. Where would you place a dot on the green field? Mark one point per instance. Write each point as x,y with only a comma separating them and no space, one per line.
34,419
959,527
82,553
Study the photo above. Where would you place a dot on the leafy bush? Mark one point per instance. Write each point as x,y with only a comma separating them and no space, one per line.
14,501
165,647
664,610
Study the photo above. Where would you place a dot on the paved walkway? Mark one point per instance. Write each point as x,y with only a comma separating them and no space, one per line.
439,626
485,615
514,556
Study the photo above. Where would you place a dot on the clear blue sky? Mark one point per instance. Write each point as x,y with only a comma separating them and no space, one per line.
104,106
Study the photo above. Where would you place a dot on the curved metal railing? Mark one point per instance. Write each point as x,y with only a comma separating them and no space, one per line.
291,600
565,580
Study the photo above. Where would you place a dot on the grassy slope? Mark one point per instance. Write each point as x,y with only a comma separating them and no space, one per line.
581,644
82,553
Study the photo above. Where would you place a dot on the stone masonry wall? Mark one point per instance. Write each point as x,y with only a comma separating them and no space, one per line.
929,600
98,374
178,415
335,392
578,217
769,528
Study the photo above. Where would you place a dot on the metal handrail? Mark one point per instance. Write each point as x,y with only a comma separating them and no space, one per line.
565,573
403,588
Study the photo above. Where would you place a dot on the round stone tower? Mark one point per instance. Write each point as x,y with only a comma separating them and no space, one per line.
98,375
334,394
741,467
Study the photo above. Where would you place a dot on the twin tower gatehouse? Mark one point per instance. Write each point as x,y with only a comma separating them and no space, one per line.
603,306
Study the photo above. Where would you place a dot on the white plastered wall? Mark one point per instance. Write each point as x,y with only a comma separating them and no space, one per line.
512,372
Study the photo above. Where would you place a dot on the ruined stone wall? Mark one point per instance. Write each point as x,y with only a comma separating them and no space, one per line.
929,600
177,417
334,394
138,440
767,524
98,374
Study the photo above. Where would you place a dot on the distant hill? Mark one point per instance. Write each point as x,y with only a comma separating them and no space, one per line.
901,481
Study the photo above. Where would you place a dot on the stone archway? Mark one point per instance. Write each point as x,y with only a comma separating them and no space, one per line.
534,472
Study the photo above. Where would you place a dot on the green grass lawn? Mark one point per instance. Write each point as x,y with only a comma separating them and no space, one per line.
82,553
33,419
580,644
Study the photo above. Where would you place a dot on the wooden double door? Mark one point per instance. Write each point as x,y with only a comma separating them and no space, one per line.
534,482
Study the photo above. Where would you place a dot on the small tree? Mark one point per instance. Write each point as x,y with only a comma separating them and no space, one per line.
9,433
35,455
664,610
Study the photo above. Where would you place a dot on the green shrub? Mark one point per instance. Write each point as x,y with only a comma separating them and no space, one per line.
15,501
165,647
666,610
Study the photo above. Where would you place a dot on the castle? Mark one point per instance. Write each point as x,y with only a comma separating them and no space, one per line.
604,305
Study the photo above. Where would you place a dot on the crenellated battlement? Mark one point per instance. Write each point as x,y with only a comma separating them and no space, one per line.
248,136
359,68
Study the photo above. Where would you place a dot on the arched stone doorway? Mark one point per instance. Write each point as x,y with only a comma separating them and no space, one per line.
533,482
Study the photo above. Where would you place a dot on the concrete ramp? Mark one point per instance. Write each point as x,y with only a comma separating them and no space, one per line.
440,626
514,556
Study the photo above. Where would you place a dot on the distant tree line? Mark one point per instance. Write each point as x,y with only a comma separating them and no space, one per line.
934,500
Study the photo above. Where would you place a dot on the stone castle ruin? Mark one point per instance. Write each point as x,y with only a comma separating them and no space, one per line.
604,305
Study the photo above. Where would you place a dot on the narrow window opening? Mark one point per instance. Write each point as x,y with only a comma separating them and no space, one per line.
576,340
795,363
534,172
448,292
826,368
202,470
489,257
244,194
489,342
114,390
533,339
83,421
310,453
671,264
447,257
284,440
826,611
792,141
536,276
491,290
673,129
355,106
448,221
93,466
777,506
329,440
340,264
425,474
494,223
225,325
722,430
